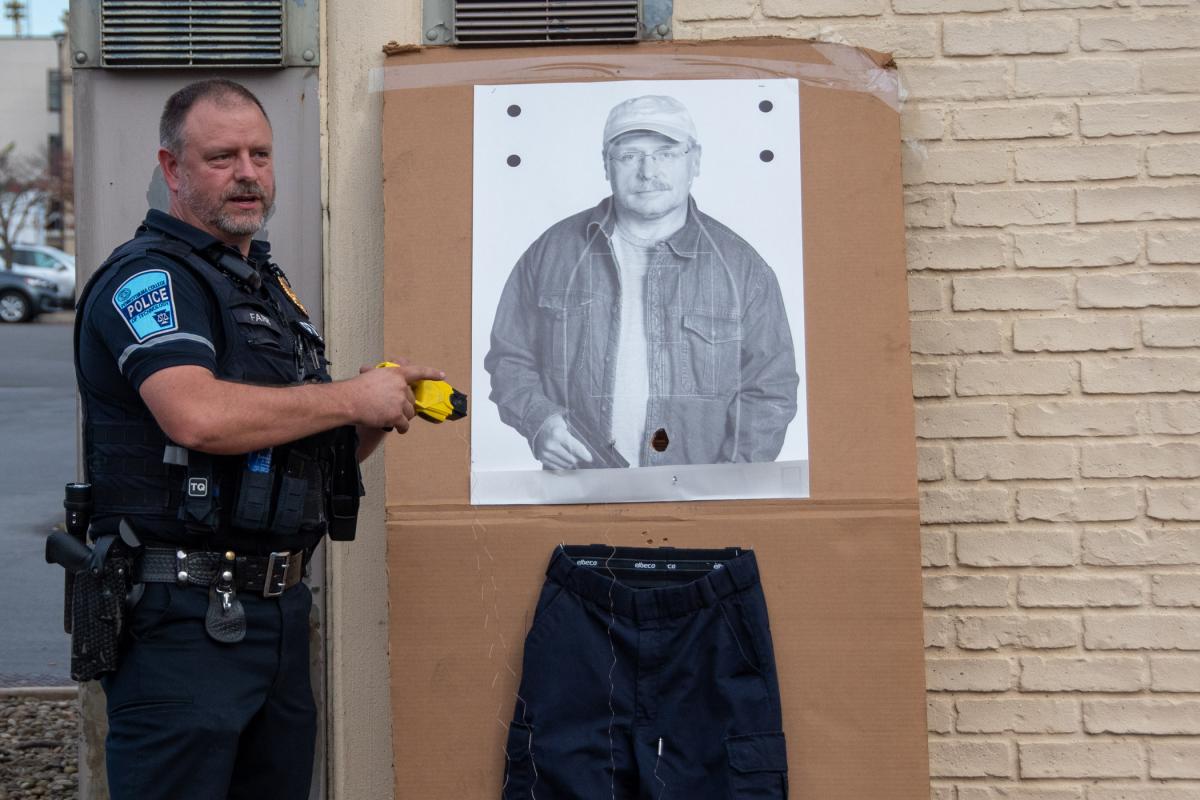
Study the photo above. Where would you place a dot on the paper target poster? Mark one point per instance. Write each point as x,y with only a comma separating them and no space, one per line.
637,292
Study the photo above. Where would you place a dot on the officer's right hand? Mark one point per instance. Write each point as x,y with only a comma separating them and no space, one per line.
556,448
384,396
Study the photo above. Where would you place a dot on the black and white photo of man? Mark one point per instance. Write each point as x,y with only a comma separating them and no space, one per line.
643,332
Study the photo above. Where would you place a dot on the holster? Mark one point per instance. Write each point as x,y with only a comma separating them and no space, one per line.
345,486
99,600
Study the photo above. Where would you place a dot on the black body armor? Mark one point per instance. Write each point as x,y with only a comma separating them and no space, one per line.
284,498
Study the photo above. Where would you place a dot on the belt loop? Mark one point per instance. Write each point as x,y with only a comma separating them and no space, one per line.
642,606
708,594
720,582
552,566
669,603
743,570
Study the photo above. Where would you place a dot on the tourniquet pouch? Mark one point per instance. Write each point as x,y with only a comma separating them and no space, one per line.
648,674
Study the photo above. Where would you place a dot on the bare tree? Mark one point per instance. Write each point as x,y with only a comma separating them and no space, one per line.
60,197
25,187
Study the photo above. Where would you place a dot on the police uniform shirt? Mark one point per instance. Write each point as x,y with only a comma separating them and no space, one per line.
146,315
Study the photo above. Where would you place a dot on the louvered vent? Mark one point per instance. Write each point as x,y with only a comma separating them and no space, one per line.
192,33
550,21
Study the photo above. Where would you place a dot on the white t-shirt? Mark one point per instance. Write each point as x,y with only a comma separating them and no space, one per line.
631,390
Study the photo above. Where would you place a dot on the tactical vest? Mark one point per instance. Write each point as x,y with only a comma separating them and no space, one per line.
283,498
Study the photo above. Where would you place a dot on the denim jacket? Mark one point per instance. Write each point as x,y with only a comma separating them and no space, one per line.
722,382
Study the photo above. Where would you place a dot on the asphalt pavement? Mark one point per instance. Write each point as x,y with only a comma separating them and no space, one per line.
37,457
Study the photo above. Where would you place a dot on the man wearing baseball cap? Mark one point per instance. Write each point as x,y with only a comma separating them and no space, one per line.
644,332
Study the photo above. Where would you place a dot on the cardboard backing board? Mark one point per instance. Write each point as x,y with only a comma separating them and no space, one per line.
835,579
841,569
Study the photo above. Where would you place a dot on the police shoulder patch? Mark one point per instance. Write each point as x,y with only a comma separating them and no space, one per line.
146,302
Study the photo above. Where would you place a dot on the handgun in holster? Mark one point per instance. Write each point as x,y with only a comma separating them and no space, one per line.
99,585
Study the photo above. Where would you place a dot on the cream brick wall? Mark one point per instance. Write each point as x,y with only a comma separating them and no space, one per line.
1052,176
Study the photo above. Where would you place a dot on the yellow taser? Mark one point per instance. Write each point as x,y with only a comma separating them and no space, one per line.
436,401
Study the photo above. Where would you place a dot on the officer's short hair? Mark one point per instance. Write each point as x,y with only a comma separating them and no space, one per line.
175,111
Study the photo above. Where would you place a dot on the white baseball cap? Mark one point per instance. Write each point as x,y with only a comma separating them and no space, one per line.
652,112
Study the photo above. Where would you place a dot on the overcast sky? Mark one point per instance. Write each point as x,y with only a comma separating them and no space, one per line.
42,18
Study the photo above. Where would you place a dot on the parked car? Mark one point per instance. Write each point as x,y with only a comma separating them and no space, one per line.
23,297
48,263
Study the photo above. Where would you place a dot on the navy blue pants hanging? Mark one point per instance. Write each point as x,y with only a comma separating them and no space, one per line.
648,674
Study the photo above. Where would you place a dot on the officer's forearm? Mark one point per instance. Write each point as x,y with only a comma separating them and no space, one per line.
368,439
200,412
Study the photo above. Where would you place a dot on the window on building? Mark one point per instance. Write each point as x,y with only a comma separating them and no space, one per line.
53,90
54,155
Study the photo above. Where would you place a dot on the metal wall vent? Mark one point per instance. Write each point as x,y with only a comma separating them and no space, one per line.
192,33
498,22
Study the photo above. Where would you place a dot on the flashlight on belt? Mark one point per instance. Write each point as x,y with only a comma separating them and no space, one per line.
436,401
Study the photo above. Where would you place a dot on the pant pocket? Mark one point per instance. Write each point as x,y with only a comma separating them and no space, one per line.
151,609
757,766
519,775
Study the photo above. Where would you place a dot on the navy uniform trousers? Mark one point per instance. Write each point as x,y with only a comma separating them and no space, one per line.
194,719
662,692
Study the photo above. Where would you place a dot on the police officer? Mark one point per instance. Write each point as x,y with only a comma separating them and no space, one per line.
213,430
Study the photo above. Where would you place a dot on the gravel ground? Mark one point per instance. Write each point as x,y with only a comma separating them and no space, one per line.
38,746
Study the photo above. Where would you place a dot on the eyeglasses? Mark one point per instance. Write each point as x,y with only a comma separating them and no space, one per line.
667,155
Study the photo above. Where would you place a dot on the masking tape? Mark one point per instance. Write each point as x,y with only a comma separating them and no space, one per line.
847,68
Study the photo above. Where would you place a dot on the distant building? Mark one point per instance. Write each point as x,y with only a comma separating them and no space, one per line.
31,104
60,227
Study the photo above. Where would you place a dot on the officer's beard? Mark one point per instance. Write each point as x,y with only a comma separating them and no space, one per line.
234,223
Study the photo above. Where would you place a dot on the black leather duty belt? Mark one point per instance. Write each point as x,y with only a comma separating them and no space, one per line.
269,575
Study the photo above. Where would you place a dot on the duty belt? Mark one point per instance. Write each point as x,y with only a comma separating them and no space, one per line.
267,575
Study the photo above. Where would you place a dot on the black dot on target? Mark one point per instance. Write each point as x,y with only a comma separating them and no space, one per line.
514,110
765,106
514,161
767,156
